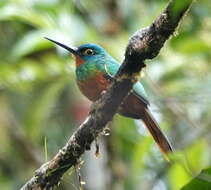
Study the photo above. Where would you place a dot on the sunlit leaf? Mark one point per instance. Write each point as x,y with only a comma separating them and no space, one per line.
201,181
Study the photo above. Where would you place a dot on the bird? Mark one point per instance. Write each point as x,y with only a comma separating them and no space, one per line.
95,69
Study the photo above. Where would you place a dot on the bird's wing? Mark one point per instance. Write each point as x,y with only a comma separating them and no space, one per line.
138,89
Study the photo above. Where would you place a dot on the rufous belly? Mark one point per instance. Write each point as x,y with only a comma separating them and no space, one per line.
93,87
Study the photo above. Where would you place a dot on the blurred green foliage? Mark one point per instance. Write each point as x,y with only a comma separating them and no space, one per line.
39,99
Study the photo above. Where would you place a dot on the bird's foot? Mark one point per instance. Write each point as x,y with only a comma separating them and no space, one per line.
103,92
106,131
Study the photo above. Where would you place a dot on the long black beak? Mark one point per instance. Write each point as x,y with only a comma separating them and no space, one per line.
73,50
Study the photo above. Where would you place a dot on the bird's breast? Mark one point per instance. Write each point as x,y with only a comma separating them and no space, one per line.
93,86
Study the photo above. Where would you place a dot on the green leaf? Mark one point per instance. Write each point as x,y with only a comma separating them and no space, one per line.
34,41
31,42
24,14
179,173
200,182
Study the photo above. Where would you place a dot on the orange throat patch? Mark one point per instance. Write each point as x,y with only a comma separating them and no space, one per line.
79,60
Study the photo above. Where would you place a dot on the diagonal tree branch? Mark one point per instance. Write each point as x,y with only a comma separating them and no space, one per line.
144,44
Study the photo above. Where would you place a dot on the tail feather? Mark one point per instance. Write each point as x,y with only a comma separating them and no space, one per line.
156,132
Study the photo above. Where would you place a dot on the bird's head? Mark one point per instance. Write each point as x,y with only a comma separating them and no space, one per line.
83,53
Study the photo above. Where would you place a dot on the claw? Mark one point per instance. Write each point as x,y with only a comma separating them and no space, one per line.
106,131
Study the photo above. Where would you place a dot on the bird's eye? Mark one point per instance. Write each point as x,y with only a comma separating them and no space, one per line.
88,52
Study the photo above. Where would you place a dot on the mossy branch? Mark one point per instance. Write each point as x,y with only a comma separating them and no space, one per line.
144,44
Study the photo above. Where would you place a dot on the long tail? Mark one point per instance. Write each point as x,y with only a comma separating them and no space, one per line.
156,132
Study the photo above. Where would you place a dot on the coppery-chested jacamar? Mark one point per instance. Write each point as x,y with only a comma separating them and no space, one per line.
94,70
